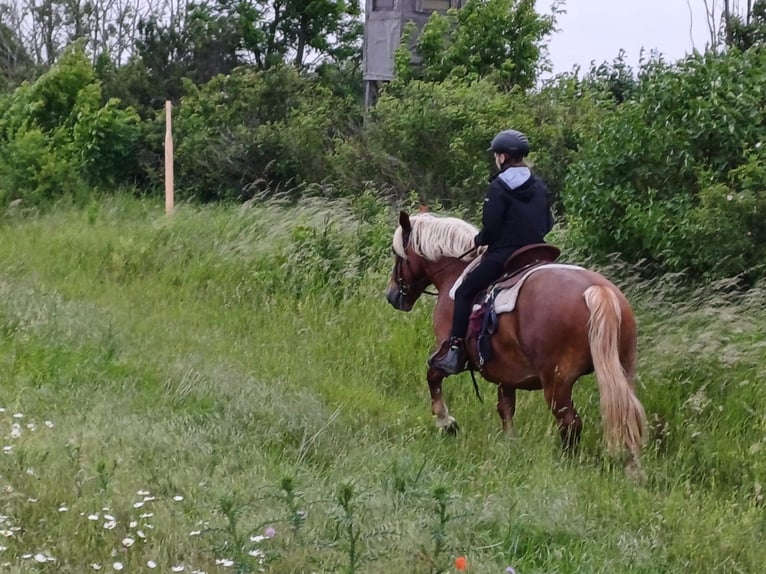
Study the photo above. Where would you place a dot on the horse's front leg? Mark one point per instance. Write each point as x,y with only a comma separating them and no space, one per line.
444,421
506,406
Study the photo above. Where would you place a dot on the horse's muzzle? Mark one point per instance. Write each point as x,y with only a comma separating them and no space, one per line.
394,296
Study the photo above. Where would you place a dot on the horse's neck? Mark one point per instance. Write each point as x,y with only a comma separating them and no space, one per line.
444,273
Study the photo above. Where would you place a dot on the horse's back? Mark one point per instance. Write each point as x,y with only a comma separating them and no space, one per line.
548,330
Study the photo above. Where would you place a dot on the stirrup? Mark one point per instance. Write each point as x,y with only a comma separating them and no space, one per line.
452,362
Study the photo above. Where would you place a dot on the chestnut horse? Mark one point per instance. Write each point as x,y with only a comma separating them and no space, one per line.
568,322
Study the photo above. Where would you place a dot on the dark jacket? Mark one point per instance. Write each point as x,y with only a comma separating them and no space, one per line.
516,212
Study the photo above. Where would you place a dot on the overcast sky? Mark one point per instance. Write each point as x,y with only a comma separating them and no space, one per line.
598,29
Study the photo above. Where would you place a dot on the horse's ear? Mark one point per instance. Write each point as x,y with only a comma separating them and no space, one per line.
404,221
423,209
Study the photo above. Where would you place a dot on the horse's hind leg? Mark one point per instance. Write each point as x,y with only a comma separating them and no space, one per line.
558,395
506,406
444,421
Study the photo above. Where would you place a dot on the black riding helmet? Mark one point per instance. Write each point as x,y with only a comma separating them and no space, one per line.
511,142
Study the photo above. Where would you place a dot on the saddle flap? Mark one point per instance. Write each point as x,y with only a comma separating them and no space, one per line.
531,255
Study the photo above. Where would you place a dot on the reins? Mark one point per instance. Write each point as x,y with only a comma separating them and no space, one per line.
443,267
404,287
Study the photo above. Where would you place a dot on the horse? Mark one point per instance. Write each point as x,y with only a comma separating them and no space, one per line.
568,322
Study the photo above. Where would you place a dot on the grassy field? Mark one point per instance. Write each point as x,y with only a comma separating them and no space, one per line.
228,391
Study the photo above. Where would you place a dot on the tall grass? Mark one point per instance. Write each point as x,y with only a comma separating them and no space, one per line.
230,383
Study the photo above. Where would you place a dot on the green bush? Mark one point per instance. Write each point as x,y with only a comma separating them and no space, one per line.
652,172
58,137
33,171
254,131
107,138
431,138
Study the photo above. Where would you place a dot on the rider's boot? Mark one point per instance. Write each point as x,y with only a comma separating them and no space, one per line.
453,361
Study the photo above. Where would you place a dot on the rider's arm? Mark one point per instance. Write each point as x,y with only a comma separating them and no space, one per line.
492,217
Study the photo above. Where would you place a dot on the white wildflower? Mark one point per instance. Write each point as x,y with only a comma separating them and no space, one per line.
195,533
138,504
18,416
15,430
142,493
127,542
93,516
117,566
49,424
63,508
110,524
96,566
178,498
179,568
147,515
140,534
151,564
109,517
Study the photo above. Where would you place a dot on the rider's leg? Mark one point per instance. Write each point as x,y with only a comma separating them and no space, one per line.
485,273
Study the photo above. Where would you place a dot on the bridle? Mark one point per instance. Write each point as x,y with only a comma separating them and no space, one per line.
405,288
423,282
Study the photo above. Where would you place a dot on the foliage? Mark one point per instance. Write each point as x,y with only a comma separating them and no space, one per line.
34,171
423,137
616,79
748,30
197,44
60,138
15,62
255,131
651,169
502,40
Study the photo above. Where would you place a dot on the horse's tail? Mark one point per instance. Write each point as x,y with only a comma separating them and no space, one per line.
624,417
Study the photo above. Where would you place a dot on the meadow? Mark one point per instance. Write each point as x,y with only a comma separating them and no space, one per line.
227,390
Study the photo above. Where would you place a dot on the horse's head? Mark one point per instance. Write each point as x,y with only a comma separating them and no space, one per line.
408,277
421,244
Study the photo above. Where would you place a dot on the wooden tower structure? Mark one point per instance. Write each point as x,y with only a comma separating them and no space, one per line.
384,22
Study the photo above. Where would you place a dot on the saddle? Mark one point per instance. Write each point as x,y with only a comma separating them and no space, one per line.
483,321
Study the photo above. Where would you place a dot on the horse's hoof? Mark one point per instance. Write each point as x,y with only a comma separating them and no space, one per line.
451,429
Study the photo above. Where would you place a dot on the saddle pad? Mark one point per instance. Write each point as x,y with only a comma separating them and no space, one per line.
505,300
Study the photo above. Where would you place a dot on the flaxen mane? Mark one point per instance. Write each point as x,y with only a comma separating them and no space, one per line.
435,237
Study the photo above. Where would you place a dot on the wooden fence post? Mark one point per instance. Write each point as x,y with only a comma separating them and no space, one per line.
168,158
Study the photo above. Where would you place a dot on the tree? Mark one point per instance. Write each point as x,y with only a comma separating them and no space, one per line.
748,30
499,39
734,25
15,63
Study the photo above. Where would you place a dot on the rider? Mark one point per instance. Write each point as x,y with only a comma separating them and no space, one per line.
516,213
